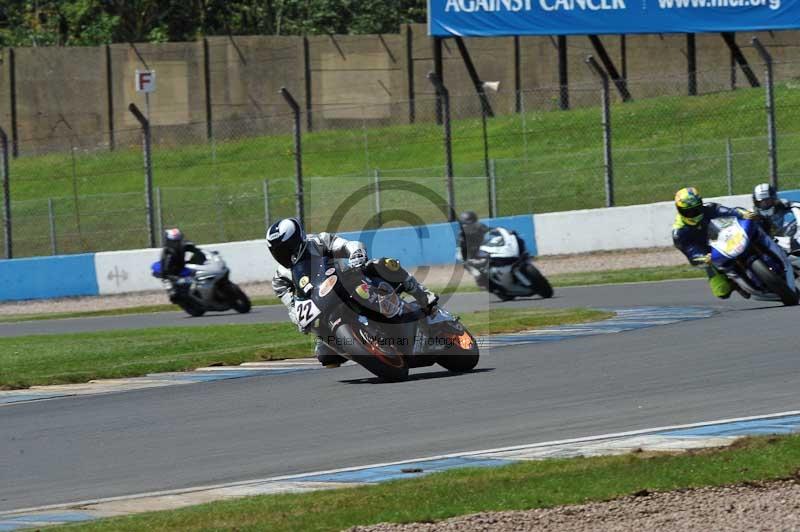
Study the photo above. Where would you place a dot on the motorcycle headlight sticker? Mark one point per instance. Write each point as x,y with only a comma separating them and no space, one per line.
363,291
327,285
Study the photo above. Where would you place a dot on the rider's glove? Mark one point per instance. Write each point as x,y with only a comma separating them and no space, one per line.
702,260
358,258
749,215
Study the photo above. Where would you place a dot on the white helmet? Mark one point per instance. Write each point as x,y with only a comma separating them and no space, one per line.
764,199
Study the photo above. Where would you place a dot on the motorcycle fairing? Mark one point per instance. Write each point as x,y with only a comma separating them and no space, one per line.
728,238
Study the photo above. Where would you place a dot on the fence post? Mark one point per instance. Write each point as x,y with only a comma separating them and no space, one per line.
298,155
267,216
485,143
159,212
110,98
607,156
12,89
443,96
378,197
51,214
729,164
770,95
207,86
492,188
9,252
148,171
307,78
412,110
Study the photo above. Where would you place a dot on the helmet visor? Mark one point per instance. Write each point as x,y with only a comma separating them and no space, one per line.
692,213
282,255
765,204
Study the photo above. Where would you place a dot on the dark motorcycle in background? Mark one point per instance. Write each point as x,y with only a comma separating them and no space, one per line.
204,287
367,321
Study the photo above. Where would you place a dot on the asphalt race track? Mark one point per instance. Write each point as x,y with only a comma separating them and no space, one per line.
667,293
741,362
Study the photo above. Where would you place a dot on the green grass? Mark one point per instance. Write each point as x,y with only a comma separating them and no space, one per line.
70,358
537,484
142,309
631,275
546,161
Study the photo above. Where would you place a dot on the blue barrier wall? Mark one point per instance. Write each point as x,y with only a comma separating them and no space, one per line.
48,277
791,195
433,244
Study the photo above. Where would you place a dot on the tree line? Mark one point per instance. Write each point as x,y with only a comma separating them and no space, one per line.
96,22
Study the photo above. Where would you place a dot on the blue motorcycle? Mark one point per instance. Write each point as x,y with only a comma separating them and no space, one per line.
750,258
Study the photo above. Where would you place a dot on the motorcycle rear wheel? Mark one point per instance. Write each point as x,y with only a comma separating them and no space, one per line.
459,359
385,362
776,283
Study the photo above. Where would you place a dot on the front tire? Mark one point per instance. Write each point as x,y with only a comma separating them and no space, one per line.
238,300
192,309
459,358
540,284
775,283
385,362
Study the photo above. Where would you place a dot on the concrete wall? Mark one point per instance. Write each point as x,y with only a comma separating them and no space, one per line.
62,93
618,228
636,226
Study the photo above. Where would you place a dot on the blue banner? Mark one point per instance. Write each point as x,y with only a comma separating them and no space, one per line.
490,18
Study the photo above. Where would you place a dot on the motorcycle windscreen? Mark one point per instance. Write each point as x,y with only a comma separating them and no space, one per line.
727,238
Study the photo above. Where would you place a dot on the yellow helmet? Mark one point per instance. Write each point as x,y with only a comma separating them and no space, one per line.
689,203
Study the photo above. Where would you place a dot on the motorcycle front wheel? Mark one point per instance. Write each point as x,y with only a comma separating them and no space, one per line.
462,355
192,308
775,283
540,284
383,361
238,300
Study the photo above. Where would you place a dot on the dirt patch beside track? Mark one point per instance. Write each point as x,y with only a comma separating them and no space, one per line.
764,507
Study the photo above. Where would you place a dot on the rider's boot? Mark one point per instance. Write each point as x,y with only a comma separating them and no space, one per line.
327,356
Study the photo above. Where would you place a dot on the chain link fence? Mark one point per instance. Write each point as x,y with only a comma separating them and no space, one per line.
372,164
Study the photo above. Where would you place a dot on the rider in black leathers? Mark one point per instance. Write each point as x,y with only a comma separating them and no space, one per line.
173,260
289,244
173,254
470,239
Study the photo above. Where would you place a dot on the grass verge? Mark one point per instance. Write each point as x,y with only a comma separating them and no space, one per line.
631,275
59,359
142,309
538,484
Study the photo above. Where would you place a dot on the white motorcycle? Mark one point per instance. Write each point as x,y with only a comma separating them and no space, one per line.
203,287
504,268
787,225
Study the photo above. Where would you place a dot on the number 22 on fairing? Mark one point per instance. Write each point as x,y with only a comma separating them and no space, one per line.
307,312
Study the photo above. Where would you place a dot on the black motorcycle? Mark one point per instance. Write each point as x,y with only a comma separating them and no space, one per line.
367,321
